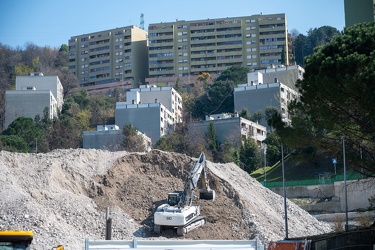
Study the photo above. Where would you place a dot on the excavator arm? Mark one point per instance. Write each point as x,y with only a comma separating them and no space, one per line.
197,178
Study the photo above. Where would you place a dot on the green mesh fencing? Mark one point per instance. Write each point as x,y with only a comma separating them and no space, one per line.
318,181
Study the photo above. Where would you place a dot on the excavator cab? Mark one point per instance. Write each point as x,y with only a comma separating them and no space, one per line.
174,198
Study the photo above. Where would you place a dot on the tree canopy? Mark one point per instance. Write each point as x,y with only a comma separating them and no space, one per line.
304,45
237,74
337,99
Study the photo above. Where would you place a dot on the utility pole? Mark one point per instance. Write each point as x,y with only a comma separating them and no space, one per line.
345,188
284,189
265,163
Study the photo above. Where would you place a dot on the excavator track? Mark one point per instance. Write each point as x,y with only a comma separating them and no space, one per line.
197,222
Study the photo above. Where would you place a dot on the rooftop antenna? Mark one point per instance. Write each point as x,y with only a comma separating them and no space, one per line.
142,24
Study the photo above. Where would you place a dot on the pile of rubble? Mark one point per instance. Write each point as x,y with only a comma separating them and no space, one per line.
61,196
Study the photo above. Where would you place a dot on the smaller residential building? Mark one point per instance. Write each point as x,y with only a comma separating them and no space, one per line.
108,137
32,96
258,96
288,75
152,119
152,110
167,96
229,128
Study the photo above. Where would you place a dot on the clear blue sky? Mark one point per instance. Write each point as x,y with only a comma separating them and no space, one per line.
51,22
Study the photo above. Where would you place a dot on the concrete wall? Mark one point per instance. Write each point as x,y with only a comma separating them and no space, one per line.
146,120
314,191
258,98
109,140
28,104
226,129
358,193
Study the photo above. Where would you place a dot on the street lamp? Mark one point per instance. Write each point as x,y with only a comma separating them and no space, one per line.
284,191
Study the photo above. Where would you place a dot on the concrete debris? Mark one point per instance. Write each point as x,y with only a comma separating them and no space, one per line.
61,196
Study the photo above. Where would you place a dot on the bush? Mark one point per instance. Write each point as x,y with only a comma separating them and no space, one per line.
338,223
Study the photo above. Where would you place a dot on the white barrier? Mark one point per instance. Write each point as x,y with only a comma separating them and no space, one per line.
173,244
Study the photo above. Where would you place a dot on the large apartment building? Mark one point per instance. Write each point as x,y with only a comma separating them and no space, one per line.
185,48
116,55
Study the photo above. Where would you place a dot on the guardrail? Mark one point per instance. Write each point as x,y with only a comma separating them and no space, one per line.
173,244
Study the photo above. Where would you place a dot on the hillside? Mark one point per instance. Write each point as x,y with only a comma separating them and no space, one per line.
297,169
62,197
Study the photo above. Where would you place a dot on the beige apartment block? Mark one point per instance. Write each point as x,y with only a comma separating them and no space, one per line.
185,48
116,55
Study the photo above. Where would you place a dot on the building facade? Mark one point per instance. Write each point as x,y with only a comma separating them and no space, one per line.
151,110
32,96
116,55
359,11
288,75
183,48
229,128
167,96
152,119
259,97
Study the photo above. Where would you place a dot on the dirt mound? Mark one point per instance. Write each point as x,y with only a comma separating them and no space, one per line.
62,196
243,208
140,183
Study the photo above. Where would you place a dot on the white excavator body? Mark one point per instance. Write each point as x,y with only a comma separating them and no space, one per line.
167,215
179,212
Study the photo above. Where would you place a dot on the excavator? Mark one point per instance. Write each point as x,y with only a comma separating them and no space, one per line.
18,240
179,212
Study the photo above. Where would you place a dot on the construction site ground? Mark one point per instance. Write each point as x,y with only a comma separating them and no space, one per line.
62,196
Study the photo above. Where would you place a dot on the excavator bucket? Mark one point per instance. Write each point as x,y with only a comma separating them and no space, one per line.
205,194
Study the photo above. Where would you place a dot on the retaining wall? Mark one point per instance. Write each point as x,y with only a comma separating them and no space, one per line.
358,193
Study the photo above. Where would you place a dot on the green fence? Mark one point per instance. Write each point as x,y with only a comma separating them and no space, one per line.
320,180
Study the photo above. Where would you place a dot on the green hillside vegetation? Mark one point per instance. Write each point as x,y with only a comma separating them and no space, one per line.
296,169
301,172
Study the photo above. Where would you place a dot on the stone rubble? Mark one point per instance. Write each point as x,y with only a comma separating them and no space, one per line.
61,196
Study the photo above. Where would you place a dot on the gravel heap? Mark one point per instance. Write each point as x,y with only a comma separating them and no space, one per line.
61,196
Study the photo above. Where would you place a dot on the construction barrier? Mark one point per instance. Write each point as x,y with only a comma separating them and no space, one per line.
173,244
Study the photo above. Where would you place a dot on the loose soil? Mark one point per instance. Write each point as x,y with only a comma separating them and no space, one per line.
62,196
